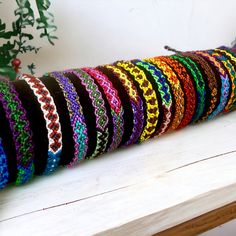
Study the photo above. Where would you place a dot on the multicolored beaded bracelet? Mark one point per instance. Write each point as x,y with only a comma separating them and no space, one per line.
99,108
225,84
51,117
199,86
20,127
4,174
211,83
231,64
178,94
148,94
164,90
188,88
77,119
135,100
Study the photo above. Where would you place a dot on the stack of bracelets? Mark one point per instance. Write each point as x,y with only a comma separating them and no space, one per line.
66,117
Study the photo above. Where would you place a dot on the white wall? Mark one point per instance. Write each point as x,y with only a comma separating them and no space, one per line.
93,32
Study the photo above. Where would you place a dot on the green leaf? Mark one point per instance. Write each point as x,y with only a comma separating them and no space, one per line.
8,72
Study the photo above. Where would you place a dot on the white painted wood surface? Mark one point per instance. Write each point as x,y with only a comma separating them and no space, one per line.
139,190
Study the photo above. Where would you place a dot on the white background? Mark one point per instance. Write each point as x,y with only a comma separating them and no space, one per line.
93,32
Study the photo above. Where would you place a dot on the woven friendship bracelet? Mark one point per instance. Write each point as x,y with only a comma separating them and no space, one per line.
149,96
51,117
188,88
77,119
4,174
164,90
199,86
225,84
99,109
135,101
178,94
231,63
20,129
211,84
230,71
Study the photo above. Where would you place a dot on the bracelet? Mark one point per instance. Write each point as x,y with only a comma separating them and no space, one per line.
116,107
51,117
188,87
164,90
99,109
148,94
20,129
225,84
230,62
4,174
76,117
199,86
211,83
178,93
135,101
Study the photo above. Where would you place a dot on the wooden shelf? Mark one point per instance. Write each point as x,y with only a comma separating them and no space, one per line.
140,190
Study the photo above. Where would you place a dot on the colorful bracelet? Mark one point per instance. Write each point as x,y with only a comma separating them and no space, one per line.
20,127
225,84
135,101
211,83
164,89
99,109
114,101
76,117
229,63
148,94
178,94
199,86
4,174
188,88
51,117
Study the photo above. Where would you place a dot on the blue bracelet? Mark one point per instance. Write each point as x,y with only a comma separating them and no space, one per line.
4,174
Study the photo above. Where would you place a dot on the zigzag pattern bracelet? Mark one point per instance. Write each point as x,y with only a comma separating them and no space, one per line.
188,88
77,119
20,129
178,94
4,174
99,109
232,60
225,84
164,90
149,96
135,100
51,117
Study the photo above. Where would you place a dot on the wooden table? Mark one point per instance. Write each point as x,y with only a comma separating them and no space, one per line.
142,190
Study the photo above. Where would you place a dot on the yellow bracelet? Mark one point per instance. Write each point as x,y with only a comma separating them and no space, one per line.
176,88
149,97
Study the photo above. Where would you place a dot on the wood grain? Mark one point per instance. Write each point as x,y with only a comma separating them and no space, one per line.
141,190
203,223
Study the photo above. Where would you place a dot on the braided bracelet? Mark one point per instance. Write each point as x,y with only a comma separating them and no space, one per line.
199,86
114,101
164,90
51,117
211,83
76,117
178,93
4,174
149,96
135,100
225,84
188,87
99,109
232,60
20,128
